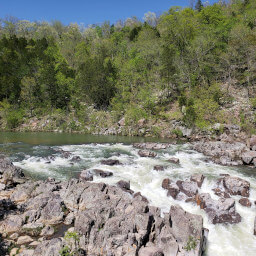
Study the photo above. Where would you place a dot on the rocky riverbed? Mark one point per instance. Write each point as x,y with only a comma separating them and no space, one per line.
100,214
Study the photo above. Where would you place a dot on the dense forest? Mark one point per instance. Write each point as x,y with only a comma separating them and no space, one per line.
171,67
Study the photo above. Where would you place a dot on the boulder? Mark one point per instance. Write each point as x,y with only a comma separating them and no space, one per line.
49,248
252,142
11,224
236,186
165,183
189,188
219,211
245,202
110,162
159,168
146,153
103,174
174,160
24,240
75,159
198,178
150,251
248,156
47,231
124,184
86,175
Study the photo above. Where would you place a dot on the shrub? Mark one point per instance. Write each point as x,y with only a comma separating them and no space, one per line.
14,118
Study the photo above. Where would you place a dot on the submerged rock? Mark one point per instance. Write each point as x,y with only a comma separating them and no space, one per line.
110,162
159,168
174,160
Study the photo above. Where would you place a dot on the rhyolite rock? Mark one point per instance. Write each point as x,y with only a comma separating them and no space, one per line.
147,153
219,211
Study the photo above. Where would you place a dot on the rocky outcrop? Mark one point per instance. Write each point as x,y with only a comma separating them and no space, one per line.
221,152
151,145
104,219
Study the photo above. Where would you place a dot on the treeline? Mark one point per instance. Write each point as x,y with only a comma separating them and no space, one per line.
132,68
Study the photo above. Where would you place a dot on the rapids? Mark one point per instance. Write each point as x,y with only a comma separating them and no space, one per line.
223,240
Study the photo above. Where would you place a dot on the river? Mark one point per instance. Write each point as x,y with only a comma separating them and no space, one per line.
31,151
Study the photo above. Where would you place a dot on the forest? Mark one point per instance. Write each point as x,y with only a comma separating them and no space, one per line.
167,67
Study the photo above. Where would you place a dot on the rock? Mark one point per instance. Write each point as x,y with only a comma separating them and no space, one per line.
245,202
236,186
221,193
189,188
252,142
123,184
14,251
32,229
69,219
86,175
248,156
174,160
219,211
198,178
150,251
11,224
122,122
166,182
110,162
2,186
76,159
146,153
26,252
49,248
24,240
14,236
142,122
65,154
159,168
47,231
101,173
151,145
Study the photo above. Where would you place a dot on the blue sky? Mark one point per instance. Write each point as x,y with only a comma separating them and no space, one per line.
84,11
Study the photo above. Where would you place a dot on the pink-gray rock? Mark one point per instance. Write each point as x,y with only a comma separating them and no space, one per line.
110,162
198,178
146,153
174,160
189,188
86,175
151,145
248,156
219,211
236,186
245,202
159,168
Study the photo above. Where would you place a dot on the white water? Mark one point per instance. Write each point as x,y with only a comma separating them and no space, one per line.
223,240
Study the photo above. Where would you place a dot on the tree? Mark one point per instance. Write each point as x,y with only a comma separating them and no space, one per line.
199,5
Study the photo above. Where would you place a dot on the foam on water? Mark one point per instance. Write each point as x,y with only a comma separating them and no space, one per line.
223,240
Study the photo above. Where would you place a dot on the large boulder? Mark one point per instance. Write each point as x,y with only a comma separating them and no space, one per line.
198,178
189,188
236,186
219,211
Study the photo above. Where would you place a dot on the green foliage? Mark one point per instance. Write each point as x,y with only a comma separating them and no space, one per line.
14,118
178,133
133,114
191,244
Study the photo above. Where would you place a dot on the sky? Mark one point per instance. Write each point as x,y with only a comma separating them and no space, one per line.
84,11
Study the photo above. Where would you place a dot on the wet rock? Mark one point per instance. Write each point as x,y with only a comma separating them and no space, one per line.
248,156
110,162
159,168
174,160
65,154
86,175
236,186
245,202
165,183
146,153
124,184
76,159
103,174
189,188
198,178
151,145
141,197
24,240
221,193
219,211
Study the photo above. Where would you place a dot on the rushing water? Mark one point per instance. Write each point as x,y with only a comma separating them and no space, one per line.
30,152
